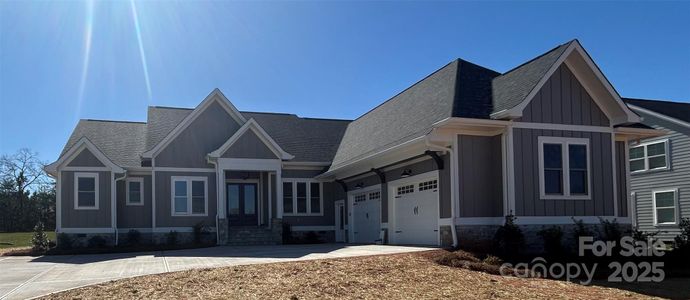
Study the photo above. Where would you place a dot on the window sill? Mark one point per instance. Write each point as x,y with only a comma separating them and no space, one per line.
85,208
561,197
134,204
666,225
641,172
303,215
189,215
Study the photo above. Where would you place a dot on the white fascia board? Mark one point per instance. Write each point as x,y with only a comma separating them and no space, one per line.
215,96
83,143
575,47
260,133
660,116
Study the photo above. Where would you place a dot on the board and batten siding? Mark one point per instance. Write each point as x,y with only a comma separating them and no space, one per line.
249,146
133,216
92,218
622,193
527,198
563,100
481,176
677,177
205,134
85,159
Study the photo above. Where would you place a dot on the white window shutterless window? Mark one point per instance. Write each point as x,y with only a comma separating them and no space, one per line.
85,191
302,197
665,206
189,196
564,168
649,156
135,191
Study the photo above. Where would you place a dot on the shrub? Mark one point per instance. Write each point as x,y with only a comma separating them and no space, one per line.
311,237
40,240
449,259
287,233
97,241
643,236
172,237
133,237
493,260
464,255
64,241
611,230
683,239
200,230
509,239
580,230
552,237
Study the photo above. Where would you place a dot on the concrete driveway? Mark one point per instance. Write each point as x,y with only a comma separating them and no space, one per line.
27,277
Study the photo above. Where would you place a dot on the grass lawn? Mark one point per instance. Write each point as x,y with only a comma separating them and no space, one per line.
400,276
19,239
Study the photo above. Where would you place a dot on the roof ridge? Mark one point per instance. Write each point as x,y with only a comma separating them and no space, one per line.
657,100
325,119
170,107
112,121
406,89
537,57
268,113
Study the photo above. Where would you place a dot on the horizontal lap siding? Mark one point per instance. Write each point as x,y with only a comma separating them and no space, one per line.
134,216
481,176
72,218
563,100
527,198
678,177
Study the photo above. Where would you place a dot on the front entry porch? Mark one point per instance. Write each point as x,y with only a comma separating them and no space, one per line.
247,212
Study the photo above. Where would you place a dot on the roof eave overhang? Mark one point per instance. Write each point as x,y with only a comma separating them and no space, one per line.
632,134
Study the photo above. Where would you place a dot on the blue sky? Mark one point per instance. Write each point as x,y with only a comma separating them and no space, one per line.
65,60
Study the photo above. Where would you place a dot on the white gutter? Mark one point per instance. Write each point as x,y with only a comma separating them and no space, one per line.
452,210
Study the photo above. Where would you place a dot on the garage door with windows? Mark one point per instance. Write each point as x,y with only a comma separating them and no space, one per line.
366,214
416,212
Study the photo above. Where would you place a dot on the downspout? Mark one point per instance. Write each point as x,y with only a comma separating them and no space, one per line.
215,165
452,163
117,235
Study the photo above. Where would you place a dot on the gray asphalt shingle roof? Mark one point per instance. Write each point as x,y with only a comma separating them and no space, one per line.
676,110
511,88
308,139
121,142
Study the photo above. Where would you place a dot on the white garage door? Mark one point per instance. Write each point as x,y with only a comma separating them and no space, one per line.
366,210
416,213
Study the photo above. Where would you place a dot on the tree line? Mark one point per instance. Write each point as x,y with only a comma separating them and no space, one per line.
27,194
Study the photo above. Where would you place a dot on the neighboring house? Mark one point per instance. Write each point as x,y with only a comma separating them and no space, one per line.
440,163
660,168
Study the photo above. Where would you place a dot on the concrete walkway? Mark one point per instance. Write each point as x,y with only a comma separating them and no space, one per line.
27,277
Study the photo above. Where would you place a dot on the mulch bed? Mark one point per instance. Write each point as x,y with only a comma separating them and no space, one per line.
400,276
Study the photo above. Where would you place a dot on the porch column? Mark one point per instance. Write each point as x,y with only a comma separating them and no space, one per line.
220,188
279,194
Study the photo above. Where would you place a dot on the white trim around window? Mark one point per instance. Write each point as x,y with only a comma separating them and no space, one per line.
128,192
308,182
646,157
77,190
675,207
188,196
565,142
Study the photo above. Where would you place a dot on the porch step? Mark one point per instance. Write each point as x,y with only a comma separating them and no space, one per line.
245,236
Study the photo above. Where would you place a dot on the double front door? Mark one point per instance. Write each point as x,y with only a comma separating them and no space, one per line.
242,203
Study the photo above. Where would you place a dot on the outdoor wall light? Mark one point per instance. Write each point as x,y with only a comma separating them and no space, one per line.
359,185
406,173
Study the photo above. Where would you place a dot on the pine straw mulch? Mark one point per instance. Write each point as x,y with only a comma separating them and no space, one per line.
410,276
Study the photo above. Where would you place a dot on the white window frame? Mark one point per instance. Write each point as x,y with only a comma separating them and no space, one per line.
76,190
646,158
564,142
675,206
140,180
188,180
308,182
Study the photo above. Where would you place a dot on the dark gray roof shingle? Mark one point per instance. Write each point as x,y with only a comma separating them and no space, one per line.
676,110
459,89
121,142
511,88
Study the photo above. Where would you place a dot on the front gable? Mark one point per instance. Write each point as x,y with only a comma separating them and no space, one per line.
563,100
581,67
249,146
85,159
205,133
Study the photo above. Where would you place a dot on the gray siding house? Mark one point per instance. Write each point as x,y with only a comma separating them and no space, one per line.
441,163
660,168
